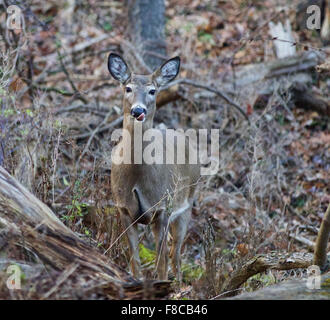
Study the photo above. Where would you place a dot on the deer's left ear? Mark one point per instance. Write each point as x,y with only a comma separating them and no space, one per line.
167,72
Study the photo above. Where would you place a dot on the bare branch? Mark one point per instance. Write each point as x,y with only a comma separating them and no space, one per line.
208,88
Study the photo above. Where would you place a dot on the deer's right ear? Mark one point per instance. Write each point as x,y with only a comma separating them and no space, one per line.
118,68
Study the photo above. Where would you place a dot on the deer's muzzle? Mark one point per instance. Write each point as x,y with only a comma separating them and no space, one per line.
139,113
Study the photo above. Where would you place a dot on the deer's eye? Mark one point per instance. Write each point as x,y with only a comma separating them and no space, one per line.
152,92
128,89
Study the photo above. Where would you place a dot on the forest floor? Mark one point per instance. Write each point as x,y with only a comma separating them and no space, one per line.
272,187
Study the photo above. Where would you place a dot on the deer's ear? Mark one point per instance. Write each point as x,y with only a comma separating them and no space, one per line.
118,68
167,72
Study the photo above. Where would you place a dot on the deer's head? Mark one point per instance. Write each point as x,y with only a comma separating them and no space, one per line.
140,91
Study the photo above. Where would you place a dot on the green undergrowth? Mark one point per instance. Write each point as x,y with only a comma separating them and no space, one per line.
190,271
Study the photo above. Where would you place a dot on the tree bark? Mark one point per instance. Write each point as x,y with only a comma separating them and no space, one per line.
263,262
304,98
146,25
25,222
320,253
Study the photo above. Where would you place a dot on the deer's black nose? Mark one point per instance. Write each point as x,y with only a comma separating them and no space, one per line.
137,111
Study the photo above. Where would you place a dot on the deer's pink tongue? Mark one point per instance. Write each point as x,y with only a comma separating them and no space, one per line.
141,117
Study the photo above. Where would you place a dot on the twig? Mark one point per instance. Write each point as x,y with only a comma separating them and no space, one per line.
111,125
90,139
79,47
225,294
297,43
208,88
136,55
83,108
36,80
74,88
56,90
308,243
292,211
64,276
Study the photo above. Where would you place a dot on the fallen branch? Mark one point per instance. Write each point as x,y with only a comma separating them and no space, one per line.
263,262
253,73
95,131
167,96
304,98
73,86
79,47
102,112
28,223
279,261
309,244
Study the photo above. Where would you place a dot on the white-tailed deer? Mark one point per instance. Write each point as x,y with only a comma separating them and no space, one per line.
157,193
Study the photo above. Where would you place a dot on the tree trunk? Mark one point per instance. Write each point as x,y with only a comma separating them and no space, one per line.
320,253
146,25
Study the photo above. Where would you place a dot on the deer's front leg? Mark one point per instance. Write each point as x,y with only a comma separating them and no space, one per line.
160,231
133,241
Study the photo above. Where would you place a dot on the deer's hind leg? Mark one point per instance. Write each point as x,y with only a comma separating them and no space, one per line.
160,231
178,228
133,242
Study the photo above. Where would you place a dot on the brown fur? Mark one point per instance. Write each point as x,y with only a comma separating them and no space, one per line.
151,193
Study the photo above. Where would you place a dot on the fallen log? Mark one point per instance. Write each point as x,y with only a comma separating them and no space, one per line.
292,75
72,268
290,290
284,261
304,98
287,66
262,263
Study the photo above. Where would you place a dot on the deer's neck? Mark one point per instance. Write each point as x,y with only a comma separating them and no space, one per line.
135,127
133,137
